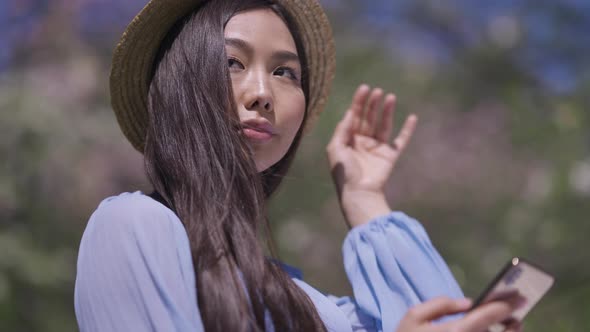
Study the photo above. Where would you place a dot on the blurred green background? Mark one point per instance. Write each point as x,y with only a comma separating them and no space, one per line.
499,165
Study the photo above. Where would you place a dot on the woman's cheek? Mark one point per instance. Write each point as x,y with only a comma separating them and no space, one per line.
300,113
293,115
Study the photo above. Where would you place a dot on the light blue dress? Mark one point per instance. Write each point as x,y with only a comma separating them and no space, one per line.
135,272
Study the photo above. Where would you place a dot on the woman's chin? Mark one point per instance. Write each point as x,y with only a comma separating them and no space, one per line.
262,166
266,157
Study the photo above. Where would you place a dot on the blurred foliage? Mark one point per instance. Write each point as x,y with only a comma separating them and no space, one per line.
499,166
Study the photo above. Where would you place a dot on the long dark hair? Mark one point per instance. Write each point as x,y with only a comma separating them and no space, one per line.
203,169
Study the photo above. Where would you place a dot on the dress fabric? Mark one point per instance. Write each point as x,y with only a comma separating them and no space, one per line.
135,272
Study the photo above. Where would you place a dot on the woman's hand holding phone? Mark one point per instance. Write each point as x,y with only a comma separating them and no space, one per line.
420,318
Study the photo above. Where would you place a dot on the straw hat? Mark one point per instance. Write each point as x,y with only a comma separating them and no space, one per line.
136,51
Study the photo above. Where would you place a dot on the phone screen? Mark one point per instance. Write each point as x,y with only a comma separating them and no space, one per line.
530,281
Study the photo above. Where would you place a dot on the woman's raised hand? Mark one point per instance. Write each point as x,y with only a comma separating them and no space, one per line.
362,154
420,317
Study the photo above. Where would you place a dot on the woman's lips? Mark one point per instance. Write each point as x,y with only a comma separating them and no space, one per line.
256,135
258,130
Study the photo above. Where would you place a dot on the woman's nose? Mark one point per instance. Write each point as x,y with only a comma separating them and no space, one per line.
259,95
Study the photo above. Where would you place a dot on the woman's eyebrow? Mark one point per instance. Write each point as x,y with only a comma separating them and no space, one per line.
280,56
239,43
285,56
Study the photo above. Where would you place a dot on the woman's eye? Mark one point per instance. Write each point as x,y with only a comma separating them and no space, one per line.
287,72
234,64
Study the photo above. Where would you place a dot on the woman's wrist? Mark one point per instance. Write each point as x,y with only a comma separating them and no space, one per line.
360,207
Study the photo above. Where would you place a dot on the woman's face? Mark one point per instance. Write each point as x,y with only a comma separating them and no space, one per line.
266,78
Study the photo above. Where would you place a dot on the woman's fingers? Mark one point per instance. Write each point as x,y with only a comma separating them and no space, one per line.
366,119
385,129
343,131
419,317
489,313
401,141
436,308
352,118
359,100
514,326
368,125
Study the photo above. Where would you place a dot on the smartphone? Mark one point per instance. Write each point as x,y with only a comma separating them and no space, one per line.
521,276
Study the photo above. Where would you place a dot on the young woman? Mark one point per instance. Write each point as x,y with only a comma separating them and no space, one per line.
217,95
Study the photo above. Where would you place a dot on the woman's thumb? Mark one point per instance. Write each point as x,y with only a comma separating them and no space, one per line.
438,307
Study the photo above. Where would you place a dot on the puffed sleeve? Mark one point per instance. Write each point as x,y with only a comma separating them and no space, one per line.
392,265
134,270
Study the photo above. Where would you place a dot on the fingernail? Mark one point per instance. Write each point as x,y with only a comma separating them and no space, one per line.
465,302
520,302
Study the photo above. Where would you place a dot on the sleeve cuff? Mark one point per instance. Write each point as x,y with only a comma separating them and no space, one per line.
392,265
